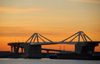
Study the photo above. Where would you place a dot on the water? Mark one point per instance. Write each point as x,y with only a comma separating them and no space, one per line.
45,61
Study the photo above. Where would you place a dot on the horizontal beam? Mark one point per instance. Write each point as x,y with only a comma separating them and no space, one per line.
53,43
51,50
48,43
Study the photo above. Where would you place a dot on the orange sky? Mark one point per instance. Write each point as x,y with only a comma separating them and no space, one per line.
54,19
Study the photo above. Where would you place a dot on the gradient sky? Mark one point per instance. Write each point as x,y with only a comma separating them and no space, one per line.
55,19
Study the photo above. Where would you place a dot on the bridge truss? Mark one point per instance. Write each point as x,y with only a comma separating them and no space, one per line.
35,38
79,34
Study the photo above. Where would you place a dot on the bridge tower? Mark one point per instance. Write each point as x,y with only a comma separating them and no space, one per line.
85,46
34,50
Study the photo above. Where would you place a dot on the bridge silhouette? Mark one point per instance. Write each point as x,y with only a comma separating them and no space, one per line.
32,47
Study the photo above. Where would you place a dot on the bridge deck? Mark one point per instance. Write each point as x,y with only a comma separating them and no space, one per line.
52,50
49,43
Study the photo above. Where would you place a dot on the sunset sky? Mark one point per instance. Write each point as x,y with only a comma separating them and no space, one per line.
54,19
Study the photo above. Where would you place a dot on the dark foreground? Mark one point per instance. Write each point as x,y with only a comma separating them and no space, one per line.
70,55
78,56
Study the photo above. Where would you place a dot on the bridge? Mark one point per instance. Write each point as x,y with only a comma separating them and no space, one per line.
32,47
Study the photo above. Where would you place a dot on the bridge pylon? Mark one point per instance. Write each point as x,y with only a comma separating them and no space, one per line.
34,50
79,34
36,37
84,46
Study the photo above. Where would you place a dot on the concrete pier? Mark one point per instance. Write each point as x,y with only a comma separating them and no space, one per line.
32,51
85,47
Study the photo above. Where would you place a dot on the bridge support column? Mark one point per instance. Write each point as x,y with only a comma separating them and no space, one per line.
32,51
11,48
85,47
47,52
22,50
16,49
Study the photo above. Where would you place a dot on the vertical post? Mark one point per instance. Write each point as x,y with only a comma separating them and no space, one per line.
14,49
22,50
47,53
60,47
11,48
64,48
17,49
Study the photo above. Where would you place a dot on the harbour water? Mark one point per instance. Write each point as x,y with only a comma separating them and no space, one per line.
45,61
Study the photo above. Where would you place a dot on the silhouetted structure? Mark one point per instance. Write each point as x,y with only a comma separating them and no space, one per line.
32,47
4,54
